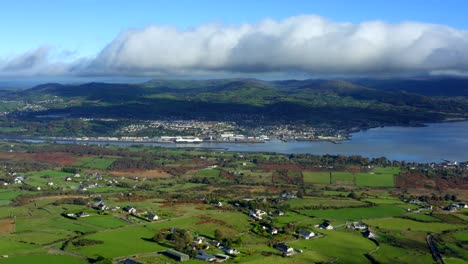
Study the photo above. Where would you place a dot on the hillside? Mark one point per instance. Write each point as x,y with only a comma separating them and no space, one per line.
323,103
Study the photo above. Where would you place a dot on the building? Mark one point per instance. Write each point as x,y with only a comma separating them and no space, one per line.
152,217
285,249
202,255
129,209
179,256
306,234
326,226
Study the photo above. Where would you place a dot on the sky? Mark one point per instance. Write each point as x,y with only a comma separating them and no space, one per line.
271,39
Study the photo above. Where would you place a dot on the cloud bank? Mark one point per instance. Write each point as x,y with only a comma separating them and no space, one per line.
306,44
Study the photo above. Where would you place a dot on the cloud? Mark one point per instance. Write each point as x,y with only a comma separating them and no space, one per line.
303,44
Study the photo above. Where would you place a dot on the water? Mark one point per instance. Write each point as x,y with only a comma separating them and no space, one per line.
420,144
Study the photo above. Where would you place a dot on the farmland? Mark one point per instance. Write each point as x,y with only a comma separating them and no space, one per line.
77,210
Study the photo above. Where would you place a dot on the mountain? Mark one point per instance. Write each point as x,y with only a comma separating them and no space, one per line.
423,86
341,104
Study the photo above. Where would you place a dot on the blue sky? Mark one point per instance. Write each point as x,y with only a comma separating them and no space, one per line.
73,30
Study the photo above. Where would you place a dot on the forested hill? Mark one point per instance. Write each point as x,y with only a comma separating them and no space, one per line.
341,104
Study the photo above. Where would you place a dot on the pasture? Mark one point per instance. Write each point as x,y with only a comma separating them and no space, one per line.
353,214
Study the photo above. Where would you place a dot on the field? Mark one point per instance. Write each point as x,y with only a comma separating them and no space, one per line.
94,163
379,211
384,178
43,259
184,189
406,224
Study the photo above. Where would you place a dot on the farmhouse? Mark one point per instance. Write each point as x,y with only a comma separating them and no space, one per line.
273,231
82,214
285,250
229,251
152,217
357,226
179,256
326,225
130,209
306,234
369,234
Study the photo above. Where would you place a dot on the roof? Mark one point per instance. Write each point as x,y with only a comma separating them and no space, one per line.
131,261
176,253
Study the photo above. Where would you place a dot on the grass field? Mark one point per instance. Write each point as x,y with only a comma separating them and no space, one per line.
94,163
387,170
309,202
338,246
208,173
391,254
379,211
406,224
43,259
316,177
375,180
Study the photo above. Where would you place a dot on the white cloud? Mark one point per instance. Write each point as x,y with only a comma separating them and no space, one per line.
308,44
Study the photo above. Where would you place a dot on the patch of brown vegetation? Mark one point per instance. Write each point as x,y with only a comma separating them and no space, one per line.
207,220
157,173
417,180
55,157
7,226
284,167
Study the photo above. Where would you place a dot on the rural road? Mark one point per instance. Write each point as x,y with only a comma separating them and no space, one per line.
435,252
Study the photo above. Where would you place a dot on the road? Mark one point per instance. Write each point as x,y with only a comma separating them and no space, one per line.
435,252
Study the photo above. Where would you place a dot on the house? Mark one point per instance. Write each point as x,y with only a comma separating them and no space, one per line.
38,188
199,240
306,234
202,255
451,208
82,214
273,231
152,217
285,249
179,256
463,205
278,213
369,234
102,207
229,251
357,226
287,195
326,225
50,183
215,243
19,180
130,209
68,179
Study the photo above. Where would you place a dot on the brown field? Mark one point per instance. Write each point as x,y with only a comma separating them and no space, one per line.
141,173
58,157
415,180
7,226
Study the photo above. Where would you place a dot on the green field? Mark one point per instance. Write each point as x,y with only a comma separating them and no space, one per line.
312,202
94,163
379,211
208,173
43,259
316,177
375,180
406,224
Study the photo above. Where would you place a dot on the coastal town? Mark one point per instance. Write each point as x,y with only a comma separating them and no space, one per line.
196,131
